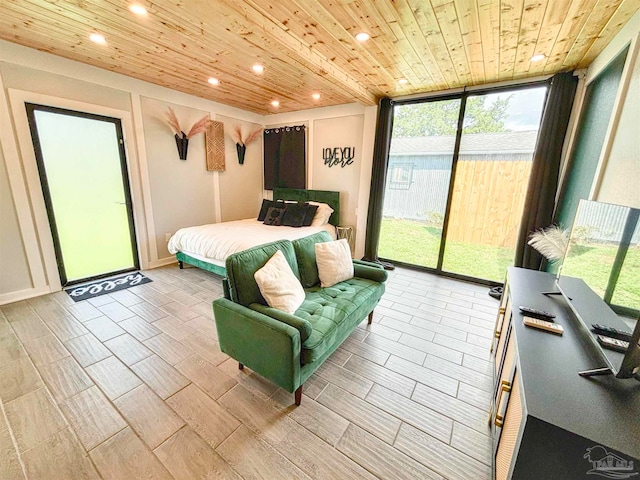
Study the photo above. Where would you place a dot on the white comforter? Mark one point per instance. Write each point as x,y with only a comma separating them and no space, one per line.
219,240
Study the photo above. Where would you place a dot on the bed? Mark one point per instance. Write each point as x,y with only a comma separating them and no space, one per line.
208,246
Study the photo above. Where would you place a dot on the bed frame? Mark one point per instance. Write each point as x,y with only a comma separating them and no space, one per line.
324,196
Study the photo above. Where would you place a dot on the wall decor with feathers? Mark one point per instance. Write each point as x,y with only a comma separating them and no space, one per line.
241,145
182,139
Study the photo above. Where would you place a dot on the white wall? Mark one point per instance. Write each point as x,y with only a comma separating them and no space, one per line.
182,191
167,193
14,268
345,125
618,177
241,185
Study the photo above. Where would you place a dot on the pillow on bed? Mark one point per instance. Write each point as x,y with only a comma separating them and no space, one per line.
279,285
266,204
294,214
334,262
322,215
309,214
274,216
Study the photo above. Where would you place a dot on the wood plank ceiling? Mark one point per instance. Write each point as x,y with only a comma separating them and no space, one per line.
309,46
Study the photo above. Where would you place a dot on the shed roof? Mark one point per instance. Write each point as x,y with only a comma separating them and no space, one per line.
485,143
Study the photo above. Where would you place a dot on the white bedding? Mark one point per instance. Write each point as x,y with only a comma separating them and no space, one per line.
217,241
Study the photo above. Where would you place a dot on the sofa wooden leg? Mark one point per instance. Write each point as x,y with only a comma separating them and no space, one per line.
370,318
240,366
298,395
181,265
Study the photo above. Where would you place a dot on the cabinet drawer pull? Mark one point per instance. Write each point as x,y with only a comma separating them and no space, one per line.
505,387
499,322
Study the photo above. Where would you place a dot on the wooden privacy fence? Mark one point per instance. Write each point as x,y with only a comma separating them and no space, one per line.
487,203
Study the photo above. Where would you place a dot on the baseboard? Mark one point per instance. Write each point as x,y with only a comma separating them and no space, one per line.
23,295
162,262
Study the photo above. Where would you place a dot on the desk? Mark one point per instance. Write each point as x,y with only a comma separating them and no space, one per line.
544,416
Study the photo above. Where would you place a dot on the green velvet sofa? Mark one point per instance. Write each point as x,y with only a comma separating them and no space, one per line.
284,348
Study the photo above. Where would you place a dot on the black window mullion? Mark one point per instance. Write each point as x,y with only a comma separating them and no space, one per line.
454,164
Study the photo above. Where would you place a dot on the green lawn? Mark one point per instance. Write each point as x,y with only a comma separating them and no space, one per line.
417,243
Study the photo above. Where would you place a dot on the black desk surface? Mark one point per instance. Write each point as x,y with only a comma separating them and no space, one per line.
603,408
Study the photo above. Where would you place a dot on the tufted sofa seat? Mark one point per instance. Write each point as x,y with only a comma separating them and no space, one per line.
281,347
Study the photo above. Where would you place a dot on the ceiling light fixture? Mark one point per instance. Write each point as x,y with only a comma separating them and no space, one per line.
258,68
403,81
315,96
97,38
213,81
362,36
137,9
538,57
275,103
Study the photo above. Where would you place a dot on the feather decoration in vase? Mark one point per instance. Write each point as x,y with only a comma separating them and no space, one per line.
551,242
182,139
241,145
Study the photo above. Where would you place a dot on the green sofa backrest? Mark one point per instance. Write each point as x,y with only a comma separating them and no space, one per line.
305,249
242,265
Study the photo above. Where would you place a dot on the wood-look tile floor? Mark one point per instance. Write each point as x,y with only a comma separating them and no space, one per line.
133,385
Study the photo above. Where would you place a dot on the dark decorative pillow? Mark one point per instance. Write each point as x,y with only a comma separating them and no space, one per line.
266,204
264,209
294,214
309,214
274,216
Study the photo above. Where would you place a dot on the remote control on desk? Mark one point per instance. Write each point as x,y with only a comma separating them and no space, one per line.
613,344
543,325
611,332
536,313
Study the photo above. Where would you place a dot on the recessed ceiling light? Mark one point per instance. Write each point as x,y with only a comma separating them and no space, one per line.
258,68
362,36
137,9
275,103
213,81
538,57
315,96
403,81
97,38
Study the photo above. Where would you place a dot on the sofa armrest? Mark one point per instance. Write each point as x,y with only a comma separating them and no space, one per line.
266,345
370,271
302,325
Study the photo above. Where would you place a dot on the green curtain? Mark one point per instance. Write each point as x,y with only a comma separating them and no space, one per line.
543,182
381,146
284,157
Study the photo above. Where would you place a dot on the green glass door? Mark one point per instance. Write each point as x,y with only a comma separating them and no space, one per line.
84,179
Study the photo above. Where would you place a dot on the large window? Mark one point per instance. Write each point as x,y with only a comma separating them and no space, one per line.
458,208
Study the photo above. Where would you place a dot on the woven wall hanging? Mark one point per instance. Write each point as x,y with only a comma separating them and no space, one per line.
214,136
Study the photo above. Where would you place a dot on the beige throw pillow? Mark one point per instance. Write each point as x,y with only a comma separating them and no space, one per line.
279,285
334,262
322,214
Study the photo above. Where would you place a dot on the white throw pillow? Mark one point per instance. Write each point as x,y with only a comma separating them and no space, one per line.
322,214
278,284
334,262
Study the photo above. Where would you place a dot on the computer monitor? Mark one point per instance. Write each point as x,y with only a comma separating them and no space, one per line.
631,363
604,251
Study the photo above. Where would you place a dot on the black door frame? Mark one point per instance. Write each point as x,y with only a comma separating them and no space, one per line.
31,108
463,96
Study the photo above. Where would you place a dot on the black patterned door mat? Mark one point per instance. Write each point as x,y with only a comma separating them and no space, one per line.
109,285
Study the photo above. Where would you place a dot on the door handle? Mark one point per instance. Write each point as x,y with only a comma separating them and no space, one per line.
121,203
